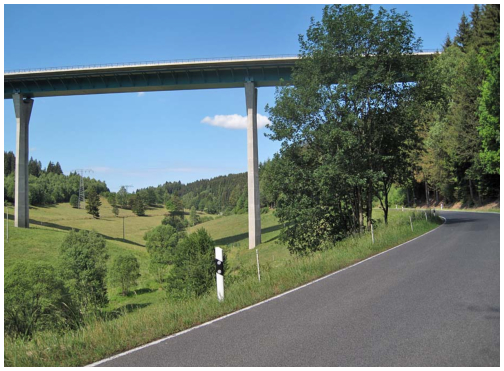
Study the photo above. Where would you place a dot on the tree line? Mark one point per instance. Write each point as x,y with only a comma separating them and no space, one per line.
47,186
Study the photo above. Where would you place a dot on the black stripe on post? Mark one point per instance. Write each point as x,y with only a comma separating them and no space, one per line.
219,267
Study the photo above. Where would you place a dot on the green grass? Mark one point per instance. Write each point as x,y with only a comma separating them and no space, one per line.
149,316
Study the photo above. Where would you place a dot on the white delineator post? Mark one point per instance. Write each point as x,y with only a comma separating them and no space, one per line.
254,210
219,263
22,108
372,233
411,222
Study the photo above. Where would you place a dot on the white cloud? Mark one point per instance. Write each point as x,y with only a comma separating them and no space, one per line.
140,94
234,121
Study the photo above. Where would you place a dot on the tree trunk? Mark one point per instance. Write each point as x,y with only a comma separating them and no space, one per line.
471,191
426,193
385,207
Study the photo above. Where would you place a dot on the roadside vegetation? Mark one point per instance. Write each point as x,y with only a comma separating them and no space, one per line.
80,286
153,314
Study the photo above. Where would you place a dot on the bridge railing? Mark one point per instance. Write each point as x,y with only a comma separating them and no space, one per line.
167,62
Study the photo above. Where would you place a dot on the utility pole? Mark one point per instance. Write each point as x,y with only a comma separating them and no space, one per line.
82,198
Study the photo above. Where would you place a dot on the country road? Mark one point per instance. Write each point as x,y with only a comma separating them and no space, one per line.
431,302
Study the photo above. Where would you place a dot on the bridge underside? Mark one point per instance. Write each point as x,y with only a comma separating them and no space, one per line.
147,78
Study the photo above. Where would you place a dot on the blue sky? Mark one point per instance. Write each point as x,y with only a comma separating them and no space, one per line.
147,139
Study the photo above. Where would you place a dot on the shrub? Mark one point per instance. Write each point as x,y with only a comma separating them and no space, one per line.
36,299
83,257
160,243
193,270
74,201
125,272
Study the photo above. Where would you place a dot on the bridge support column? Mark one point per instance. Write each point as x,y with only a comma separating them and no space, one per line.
254,207
23,108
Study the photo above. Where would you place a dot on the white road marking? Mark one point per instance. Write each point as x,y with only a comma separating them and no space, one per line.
257,304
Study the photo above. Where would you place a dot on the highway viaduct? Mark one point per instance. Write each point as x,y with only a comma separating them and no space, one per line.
247,72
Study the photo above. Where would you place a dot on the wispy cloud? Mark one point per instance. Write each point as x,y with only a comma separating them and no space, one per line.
141,94
33,149
234,121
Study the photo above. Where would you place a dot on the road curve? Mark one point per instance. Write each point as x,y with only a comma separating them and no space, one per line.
432,302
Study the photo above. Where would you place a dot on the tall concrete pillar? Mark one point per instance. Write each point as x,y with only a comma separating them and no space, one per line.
254,207
23,108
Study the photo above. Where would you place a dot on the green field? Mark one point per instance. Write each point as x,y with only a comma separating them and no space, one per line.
149,315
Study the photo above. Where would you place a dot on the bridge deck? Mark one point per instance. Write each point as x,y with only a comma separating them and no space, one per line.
151,76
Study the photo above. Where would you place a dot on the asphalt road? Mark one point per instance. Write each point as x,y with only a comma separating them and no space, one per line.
431,302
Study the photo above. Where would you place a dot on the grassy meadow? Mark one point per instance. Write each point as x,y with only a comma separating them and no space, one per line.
147,314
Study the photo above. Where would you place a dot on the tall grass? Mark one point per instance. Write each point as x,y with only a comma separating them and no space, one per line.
100,339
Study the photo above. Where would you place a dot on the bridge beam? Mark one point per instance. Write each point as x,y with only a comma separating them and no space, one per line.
254,207
23,108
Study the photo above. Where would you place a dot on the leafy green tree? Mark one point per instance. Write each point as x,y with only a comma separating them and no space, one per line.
138,206
35,299
193,272
115,210
343,143
125,272
93,202
160,243
489,111
122,197
193,217
74,201
83,257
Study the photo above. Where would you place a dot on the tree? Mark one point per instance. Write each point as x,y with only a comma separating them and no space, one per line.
193,272
115,210
343,123
93,202
122,197
74,201
35,299
57,169
34,167
138,206
489,111
124,272
464,33
193,217
9,163
160,243
83,257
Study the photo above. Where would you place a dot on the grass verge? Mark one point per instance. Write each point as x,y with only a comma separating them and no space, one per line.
100,339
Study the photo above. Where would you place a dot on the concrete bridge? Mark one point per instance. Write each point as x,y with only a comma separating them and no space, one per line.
249,72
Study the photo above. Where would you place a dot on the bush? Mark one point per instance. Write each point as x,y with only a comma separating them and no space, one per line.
74,201
177,222
193,272
35,300
125,272
83,257
160,243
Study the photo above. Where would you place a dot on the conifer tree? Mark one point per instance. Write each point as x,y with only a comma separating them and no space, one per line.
93,203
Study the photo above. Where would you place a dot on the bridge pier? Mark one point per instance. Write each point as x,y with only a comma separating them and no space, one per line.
23,108
254,207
